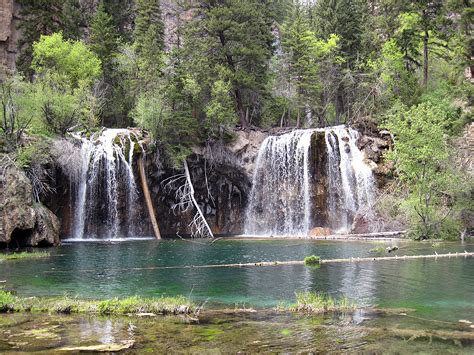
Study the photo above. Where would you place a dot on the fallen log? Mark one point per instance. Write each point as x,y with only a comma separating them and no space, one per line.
465,254
146,193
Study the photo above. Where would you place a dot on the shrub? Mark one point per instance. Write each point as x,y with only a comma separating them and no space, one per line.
312,260
7,301
313,302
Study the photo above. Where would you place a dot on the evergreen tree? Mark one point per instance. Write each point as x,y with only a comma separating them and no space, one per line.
304,55
44,17
123,13
104,39
237,36
345,19
149,40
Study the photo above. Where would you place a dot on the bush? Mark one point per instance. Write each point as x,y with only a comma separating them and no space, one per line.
313,302
7,301
312,260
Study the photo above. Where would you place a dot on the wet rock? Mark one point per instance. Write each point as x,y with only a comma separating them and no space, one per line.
47,227
360,225
319,232
16,209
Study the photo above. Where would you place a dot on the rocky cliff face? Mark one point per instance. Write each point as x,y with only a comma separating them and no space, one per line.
222,178
23,222
9,35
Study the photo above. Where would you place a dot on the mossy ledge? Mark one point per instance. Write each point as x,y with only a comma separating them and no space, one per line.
24,255
67,305
318,303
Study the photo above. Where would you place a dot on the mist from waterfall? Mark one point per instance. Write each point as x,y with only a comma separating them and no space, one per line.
281,198
106,186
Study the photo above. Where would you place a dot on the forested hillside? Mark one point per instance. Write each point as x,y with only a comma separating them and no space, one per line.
190,72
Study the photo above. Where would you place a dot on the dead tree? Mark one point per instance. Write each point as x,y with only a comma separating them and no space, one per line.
184,193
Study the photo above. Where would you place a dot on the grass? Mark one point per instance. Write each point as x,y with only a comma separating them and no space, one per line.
24,255
313,302
312,260
115,306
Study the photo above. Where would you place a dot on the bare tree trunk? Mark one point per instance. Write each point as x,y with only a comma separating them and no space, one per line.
149,203
281,119
425,58
240,108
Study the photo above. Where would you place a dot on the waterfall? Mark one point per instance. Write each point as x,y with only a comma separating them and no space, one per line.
284,185
107,187
280,198
351,183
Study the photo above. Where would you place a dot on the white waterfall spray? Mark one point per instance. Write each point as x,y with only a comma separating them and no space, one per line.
107,168
351,183
281,197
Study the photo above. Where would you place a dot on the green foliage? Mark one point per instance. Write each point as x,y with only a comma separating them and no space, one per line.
67,305
65,60
104,39
395,80
149,41
236,36
304,54
63,94
36,152
44,17
422,159
219,111
17,112
7,301
343,18
313,302
312,260
24,255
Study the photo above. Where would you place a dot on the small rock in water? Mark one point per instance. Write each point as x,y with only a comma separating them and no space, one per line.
464,321
390,249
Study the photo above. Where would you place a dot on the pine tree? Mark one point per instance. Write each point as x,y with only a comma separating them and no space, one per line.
237,36
304,54
343,18
104,41
44,17
149,40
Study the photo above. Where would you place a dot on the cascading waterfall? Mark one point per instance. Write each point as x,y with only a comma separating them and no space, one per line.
351,183
281,199
107,183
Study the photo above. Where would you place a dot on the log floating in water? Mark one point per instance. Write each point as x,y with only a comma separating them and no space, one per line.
364,236
293,262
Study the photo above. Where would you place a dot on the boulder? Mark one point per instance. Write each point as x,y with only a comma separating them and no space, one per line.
22,221
319,232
